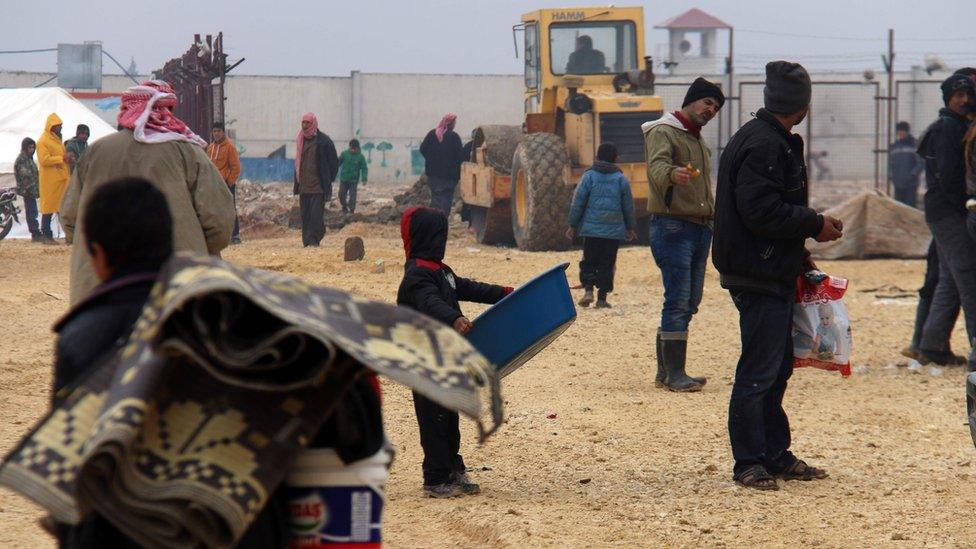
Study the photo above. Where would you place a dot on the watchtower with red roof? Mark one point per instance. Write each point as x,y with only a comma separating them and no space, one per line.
692,46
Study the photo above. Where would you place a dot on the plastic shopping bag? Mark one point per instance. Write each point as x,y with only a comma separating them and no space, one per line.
821,325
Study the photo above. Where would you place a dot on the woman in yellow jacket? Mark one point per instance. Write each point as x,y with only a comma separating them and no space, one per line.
53,176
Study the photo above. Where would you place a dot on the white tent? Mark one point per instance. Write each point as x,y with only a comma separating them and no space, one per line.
23,112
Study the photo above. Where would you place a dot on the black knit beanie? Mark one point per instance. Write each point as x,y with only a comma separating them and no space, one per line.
955,83
700,89
787,88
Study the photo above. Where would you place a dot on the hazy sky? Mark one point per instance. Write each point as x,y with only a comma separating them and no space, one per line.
324,37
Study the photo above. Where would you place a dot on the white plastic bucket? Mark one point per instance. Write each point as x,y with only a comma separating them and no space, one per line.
336,505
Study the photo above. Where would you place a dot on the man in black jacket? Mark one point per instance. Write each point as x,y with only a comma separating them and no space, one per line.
443,155
316,166
431,287
945,213
761,224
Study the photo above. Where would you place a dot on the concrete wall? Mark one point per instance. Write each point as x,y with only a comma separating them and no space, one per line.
391,113
388,113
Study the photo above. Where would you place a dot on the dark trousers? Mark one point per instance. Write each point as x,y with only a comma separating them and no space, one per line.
237,223
312,206
440,437
30,213
599,263
758,427
347,195
941,326
441,193
46,225
907,194
957,280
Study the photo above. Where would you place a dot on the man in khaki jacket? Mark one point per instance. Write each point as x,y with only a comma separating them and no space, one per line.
162,150
682,207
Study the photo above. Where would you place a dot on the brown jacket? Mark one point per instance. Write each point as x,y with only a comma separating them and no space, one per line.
224,156
199,200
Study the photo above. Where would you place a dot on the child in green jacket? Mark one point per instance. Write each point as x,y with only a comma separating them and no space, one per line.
352,166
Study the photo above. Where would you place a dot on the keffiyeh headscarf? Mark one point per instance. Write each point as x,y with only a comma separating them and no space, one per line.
304,134
147,110
444,125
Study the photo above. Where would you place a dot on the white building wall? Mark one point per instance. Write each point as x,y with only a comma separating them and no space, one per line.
395,111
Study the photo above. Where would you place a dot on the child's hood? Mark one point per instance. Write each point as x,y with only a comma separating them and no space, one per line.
424,234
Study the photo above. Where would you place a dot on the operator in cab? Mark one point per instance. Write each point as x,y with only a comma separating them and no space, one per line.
586,60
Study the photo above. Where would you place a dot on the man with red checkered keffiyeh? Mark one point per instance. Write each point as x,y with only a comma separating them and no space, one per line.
152,144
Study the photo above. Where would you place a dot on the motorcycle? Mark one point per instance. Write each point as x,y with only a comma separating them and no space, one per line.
8,211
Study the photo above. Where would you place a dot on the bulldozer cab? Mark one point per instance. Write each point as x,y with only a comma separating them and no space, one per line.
592,44
583,79
583,87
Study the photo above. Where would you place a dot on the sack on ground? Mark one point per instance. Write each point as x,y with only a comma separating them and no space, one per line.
821,325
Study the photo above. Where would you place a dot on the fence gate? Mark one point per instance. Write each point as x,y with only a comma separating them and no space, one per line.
842,135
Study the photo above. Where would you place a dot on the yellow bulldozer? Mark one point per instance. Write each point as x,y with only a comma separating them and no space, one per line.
583,87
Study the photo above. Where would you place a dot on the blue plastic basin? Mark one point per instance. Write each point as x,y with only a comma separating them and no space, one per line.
516,328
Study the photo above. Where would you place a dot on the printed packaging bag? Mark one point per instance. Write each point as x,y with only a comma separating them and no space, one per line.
821,326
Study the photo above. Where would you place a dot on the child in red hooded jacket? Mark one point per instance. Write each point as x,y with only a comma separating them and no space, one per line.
431,287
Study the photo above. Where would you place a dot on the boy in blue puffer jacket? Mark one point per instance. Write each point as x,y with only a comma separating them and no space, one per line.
603,214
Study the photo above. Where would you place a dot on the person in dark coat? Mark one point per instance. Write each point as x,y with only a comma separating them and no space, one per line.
431,287
761,224
945,212
443,155
316,166
129,231
905,165
602,213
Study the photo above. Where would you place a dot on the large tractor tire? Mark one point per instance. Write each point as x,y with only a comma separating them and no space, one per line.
500,142
540,196
493,225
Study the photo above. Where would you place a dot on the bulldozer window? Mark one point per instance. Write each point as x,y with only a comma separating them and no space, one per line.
531,56
592,48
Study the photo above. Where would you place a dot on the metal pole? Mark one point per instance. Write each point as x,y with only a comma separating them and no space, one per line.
877,136
891,99
730,69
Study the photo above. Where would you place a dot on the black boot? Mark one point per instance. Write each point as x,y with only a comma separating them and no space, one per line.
661,372
674,349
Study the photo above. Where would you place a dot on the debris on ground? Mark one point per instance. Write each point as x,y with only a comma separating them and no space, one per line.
268,209
355,249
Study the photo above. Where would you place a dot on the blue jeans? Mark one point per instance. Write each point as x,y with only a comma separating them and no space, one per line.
680,249
758,427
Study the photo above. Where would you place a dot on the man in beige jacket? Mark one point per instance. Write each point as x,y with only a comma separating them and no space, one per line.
161,149
682,208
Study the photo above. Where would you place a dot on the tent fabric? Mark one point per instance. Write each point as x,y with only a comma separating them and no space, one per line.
23,112
876,226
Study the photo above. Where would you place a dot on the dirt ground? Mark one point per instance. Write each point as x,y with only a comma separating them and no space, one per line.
622,463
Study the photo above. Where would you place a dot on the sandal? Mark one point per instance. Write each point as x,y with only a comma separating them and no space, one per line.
799,470
757,478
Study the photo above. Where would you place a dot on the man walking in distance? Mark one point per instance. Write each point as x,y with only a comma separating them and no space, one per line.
316,165
443,154
682,209
761,225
